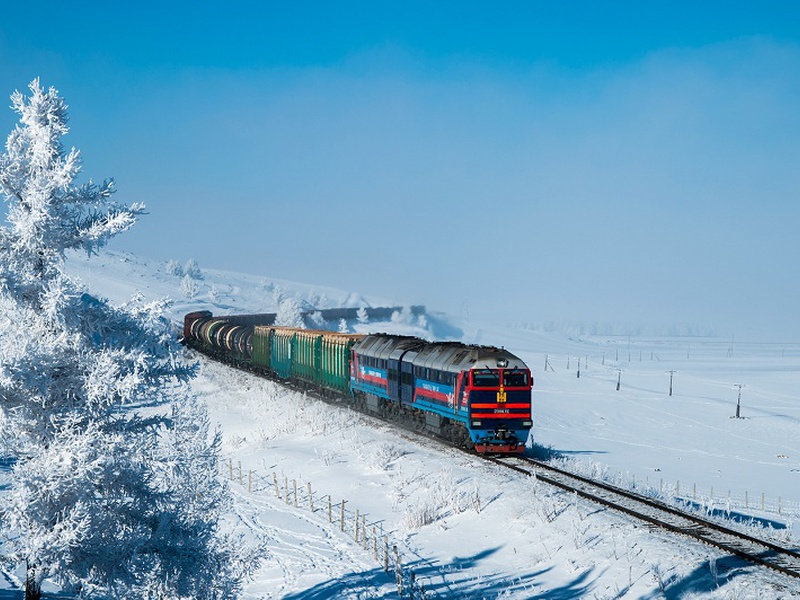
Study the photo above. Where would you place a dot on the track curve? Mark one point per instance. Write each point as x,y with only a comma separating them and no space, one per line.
759,551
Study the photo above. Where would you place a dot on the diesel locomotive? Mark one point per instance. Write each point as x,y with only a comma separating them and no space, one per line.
477,396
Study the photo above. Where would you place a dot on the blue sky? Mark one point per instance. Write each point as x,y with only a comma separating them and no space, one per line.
627,162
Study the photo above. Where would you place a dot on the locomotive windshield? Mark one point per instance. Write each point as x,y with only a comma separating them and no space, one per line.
486,378
515,378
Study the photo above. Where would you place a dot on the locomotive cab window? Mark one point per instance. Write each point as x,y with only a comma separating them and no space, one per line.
485,378
515,378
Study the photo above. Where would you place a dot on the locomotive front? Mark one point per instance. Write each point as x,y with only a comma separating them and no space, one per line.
496,392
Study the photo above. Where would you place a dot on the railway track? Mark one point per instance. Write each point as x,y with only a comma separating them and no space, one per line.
659,514
670,518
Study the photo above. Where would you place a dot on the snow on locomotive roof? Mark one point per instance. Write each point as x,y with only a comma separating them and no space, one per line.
443,356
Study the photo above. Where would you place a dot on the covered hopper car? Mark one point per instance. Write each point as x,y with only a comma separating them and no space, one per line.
478,396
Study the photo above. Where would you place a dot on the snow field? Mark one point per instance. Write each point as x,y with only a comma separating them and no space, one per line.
465,528
637,436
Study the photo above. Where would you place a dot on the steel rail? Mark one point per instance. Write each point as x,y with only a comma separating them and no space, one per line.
660,514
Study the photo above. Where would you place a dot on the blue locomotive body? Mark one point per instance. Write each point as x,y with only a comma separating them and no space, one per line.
479,393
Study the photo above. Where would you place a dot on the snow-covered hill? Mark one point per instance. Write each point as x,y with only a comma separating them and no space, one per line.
465,529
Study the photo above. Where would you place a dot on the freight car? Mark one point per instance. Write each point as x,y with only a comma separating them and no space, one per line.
478,396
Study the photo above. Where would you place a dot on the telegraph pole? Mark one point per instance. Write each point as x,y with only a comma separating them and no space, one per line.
738,400
671,373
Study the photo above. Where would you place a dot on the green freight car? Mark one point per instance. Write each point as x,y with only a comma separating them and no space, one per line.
323,358
262,339
319,358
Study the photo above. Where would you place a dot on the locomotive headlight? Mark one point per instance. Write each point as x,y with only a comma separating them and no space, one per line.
477,423
527,423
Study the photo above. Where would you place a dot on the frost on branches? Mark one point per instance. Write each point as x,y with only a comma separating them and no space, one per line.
290,314
113,490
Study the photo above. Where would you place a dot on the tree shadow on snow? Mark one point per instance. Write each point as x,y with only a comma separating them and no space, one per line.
706,578
452,580
735,516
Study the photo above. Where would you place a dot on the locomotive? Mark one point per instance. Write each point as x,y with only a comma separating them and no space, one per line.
476,396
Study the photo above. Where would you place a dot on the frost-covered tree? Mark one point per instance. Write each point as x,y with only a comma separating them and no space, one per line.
278,294
192,269
189,287
362,316
104,500
316,320
174,268
343,328
404,316
290,314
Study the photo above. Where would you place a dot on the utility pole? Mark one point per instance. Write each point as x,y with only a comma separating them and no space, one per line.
619,377
738,400
671,373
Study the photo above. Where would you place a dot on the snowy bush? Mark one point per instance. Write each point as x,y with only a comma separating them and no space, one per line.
433,496
381,456
386,453
174,268
419,513
192,269
189,287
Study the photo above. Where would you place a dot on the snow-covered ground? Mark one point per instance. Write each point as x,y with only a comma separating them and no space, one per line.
464,528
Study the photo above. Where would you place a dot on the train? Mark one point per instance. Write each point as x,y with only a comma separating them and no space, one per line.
474,396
